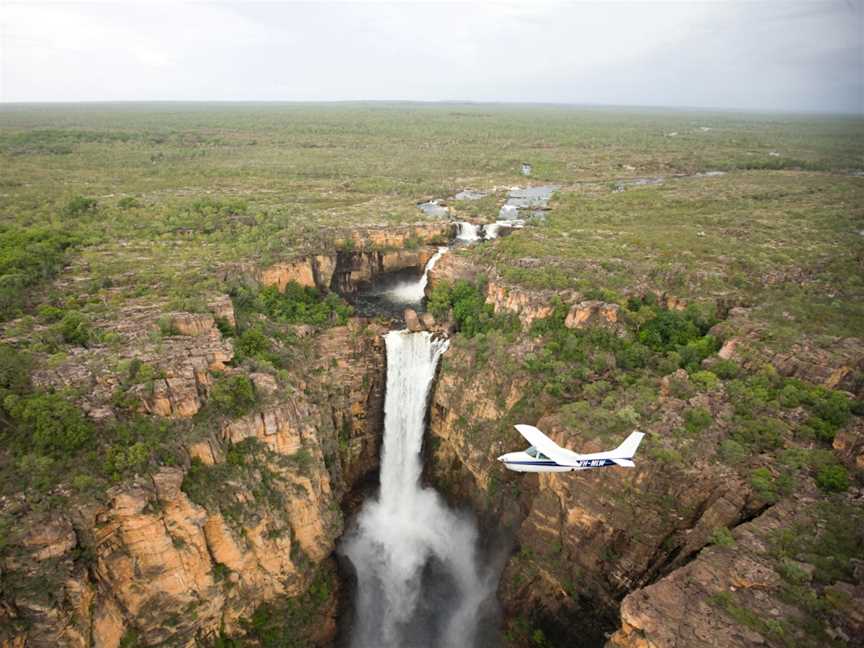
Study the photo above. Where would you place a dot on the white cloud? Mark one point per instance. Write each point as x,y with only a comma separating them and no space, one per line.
728,54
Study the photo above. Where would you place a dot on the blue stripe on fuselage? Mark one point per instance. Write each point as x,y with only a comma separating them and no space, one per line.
585,463
535,463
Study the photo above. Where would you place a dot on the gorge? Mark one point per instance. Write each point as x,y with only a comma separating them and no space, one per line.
418,578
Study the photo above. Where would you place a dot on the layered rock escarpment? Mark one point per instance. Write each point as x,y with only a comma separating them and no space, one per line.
360,257
248,514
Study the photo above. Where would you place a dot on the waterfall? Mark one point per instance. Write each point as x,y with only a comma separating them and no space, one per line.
418,581
491,230
468,232
412,292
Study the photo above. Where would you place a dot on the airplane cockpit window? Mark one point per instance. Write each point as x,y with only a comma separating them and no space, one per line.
536,454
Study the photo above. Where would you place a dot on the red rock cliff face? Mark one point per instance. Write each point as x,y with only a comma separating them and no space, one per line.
246,517
361,256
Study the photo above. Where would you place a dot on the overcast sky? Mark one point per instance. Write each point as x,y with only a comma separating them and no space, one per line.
770,54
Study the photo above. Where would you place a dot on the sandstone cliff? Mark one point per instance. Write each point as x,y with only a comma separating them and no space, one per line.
758,587
586,540
249,514
359,256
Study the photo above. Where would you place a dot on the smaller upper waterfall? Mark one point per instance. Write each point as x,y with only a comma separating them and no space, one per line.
412,292
468,232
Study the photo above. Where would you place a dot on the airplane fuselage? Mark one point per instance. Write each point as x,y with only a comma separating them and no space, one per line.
523,462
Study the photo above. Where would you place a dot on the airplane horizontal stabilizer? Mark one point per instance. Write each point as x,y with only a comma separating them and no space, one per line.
626,463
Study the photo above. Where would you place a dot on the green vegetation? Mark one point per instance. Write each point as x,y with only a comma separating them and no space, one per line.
295,305
75,329
28,256
233,395
290,622
303,305
696,420
47,439
467,302
722,537
655,340
832,478
746,617
80,205
48,422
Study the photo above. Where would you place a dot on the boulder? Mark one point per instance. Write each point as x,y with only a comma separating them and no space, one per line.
590,313
428,321
192,323
412,321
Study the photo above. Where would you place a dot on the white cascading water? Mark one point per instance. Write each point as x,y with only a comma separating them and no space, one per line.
490,231
409,530
412,292
468,232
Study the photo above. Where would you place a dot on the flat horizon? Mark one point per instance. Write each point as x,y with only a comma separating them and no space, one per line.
443,102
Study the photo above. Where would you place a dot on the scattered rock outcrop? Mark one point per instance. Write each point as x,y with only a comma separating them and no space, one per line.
593,313
179,364
836,363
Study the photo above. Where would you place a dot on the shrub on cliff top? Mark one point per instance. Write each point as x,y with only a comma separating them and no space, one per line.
48,422
833,478
233,395
472,314
80,205
697,419
303,305
75,329
722,537
26,258
761,435
14,371
253,343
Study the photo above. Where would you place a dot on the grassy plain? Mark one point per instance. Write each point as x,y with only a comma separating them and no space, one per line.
106,206
182,189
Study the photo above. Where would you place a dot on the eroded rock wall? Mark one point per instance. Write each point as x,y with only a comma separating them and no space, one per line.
247,515
359,256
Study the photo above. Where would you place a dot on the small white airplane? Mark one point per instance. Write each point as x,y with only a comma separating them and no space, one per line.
545,455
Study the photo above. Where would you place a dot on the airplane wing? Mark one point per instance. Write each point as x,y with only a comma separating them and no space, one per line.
544,444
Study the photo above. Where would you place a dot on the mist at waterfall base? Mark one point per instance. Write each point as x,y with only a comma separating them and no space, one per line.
419,580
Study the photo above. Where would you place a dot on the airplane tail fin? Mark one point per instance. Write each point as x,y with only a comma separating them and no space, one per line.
627,449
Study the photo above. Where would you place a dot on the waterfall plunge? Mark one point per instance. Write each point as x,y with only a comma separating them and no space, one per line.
418,582
413,292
